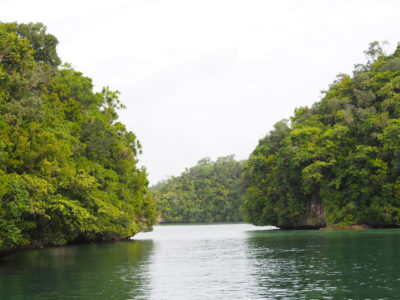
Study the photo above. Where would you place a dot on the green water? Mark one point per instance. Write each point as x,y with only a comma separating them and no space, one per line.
234,261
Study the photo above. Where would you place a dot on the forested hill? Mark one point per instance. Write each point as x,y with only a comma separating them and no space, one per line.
67,166
337,162
207,192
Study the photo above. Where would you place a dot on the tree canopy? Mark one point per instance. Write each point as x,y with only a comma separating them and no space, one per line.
68,168
337,162
208,192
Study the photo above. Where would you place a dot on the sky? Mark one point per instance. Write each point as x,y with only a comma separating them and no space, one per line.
209,78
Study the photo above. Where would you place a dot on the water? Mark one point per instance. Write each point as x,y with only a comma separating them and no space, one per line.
233,261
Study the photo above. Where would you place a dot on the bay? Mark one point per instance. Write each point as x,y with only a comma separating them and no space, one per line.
219,261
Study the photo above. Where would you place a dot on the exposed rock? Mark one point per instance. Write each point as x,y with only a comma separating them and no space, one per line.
316,218
351,227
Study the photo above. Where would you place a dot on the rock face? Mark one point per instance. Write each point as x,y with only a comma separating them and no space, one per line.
351,227
315,219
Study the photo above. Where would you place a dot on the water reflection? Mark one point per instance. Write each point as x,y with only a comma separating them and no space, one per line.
325,265
101,271
235,261
199,262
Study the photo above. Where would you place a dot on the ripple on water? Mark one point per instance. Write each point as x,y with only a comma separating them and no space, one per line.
230,261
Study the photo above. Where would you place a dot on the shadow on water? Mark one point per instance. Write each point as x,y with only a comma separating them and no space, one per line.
95,271
233,261
325,265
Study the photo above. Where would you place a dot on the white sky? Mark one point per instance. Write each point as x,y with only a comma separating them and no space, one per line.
210,77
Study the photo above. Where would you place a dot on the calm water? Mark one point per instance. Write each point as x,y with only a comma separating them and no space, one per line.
235,261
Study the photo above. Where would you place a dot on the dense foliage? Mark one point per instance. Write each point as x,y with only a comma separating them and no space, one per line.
67,167
207,192
338,162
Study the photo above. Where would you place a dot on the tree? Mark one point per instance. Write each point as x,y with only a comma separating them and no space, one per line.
337,163
68,168
207,192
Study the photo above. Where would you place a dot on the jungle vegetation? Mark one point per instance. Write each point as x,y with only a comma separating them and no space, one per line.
208,192
68,168
337,162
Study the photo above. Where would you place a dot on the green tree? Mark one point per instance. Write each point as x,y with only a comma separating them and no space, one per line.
208,192
67,167
337,162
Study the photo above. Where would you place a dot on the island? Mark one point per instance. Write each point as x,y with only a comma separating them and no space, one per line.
68,168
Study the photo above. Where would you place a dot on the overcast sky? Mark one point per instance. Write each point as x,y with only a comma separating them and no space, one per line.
210,77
